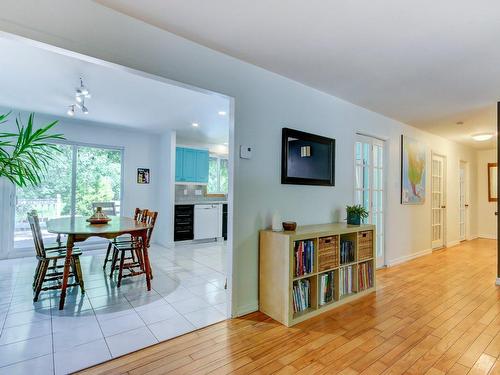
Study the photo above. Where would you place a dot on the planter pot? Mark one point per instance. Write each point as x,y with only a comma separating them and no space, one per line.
353,219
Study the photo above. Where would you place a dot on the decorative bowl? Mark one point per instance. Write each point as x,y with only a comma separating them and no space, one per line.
98,217
289,225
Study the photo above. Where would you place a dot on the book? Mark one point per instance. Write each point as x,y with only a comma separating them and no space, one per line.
347,250
365,275
301,295
327,288
304,257
346,280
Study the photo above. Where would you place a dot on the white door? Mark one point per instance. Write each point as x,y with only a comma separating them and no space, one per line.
438,200
369,188
463,200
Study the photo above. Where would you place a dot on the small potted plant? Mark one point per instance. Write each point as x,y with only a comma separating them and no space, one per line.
355,214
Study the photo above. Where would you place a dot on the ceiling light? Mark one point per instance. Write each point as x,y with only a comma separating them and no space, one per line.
79,98
222,113
85,110
195,124
482,137
71,110
83,90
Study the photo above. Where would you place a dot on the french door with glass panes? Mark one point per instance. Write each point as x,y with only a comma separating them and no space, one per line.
438,201
463,200
369,188
79,176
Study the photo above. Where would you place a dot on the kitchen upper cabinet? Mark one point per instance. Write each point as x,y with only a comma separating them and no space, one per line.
191,165
202,166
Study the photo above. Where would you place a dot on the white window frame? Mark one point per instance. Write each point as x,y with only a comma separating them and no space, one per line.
218,158
12,252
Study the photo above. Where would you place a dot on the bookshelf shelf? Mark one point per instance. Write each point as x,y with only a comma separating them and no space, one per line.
290,298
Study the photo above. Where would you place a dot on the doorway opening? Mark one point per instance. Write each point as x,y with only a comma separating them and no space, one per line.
438,201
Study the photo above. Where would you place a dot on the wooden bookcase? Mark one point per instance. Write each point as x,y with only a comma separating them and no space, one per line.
277,274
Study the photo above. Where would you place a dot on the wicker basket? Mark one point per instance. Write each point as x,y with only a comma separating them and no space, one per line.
328,253
365,245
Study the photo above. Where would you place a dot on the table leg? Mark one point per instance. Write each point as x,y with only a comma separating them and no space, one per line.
67,264
146,259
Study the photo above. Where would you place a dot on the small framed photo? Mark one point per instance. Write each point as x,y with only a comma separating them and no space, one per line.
143,175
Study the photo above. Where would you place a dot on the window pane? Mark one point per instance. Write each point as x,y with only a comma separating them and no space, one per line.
224,176
358,150
213,173
51,199
98,178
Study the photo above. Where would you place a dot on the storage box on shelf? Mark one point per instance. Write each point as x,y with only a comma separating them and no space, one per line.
314,269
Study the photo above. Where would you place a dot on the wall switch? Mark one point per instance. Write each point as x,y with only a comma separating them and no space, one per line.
245,152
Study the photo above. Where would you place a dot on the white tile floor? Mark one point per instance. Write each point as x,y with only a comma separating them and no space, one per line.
36,338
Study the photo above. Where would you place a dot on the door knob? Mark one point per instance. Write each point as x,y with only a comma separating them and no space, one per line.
496,213
443,206
466,205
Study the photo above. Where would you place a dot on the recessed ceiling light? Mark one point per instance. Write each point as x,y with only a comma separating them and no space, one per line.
482,137
195,124
222,113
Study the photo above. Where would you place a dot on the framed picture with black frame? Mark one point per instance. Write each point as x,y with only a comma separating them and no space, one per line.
143,175
307,159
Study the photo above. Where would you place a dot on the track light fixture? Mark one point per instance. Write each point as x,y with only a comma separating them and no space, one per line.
81,93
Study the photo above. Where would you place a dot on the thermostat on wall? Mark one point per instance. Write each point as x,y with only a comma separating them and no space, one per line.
245,152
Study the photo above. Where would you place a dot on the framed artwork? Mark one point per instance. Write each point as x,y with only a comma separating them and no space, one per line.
413,171
143,175
492,182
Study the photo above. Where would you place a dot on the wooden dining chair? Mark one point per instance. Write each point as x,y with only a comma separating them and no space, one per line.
134,247
47,269
139,215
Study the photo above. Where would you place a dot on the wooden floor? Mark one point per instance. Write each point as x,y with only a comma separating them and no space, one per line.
433,315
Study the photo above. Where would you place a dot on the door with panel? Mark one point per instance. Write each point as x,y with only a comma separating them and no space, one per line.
463,205
369,189
438,201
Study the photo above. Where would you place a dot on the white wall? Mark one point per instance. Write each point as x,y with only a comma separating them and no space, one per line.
264,103
487,225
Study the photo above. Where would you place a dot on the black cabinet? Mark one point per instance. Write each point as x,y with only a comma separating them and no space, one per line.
184,222
224,221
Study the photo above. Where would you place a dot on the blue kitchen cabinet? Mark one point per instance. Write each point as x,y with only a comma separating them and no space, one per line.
179,158
191,165
202,166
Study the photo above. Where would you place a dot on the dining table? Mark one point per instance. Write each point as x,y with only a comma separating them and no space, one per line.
78,229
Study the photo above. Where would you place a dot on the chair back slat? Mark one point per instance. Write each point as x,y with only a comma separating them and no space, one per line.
140,214
37,233
108,208
151,217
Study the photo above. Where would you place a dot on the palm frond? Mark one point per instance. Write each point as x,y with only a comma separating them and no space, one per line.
25,155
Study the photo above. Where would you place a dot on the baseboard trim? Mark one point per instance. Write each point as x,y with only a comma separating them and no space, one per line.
246,309
488,236
406,258
453,243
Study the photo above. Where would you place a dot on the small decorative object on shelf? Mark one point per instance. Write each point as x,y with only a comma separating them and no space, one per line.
98,217
276,226
355,214
289,225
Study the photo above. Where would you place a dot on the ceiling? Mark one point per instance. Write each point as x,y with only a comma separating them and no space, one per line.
43,81
427,63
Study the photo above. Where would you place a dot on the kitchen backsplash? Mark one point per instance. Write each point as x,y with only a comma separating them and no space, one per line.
194,194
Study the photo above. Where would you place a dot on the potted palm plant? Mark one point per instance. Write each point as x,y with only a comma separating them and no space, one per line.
25,153
355,214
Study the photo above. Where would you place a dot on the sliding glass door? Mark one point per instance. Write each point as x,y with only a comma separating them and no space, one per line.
79,176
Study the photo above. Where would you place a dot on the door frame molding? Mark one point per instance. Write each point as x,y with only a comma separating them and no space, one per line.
445,199
465,163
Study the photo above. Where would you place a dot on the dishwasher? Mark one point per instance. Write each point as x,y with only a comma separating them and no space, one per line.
207,221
